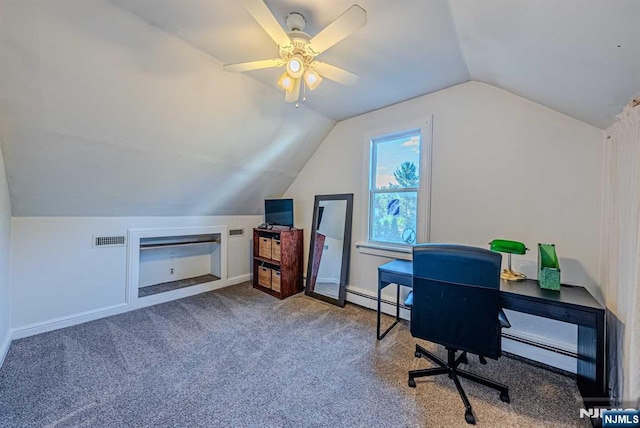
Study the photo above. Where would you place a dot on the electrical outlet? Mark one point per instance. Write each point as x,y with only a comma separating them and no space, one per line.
171,271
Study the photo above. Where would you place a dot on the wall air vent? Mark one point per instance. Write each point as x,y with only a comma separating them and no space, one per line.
236,232
108,241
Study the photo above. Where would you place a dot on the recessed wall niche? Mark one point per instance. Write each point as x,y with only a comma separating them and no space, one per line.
168,264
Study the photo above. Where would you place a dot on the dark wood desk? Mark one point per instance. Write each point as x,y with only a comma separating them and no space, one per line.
573,304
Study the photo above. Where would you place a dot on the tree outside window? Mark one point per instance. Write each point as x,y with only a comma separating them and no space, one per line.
394,188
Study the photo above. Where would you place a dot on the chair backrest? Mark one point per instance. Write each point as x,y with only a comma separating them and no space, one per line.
456,297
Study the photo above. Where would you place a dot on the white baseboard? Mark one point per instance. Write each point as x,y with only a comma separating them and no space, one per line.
67,321
550,358
4,347
239,279
368,299
356,295
71,320
545,341
365,298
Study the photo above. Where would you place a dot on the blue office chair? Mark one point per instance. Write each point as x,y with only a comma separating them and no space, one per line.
456,303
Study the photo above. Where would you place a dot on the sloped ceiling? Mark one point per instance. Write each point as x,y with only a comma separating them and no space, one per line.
579,57
408,48
102,114
121,107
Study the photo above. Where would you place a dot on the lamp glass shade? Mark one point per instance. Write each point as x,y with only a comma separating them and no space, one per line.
312,79
294,95
295,67
506,246
286,82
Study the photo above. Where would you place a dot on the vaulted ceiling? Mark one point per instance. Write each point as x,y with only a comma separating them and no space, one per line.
579,57
121,107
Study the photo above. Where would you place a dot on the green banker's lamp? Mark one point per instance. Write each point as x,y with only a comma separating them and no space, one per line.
509,247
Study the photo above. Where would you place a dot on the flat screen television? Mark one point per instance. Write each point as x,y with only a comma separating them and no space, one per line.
278,212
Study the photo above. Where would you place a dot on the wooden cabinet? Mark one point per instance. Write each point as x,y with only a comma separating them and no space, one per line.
277,261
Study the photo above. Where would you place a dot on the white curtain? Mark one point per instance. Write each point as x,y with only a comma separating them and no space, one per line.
621,253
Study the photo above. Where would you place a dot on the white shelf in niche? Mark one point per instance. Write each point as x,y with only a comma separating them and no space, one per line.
180,244
146,267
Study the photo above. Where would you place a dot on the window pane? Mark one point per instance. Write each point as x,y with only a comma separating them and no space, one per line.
397,162
394,217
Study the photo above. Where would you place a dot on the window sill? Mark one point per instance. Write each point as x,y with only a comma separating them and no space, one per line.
381,250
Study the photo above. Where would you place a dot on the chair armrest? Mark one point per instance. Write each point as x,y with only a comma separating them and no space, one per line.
409,300
504,321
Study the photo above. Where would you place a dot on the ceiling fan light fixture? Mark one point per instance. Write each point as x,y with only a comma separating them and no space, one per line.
286,82
295,66
312,79
297,49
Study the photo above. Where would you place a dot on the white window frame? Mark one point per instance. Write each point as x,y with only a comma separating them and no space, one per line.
423,221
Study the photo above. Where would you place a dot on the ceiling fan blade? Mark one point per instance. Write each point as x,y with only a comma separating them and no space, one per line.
292,97
334,73
352,19
253,65
261,13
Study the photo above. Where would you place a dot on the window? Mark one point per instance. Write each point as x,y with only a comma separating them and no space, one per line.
397,202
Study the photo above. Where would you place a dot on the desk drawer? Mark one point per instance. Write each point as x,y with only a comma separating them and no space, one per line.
386,278
546,310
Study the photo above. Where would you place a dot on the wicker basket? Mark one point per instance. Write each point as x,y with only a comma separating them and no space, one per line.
275,280
265,247
264,277
275,249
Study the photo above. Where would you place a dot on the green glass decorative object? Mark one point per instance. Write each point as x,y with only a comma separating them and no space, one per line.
509,247
548,267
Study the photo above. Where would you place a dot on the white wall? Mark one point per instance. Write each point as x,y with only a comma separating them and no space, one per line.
5,251
502,167
160,265
57,275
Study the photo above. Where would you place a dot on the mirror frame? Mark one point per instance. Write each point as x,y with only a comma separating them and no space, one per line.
346,248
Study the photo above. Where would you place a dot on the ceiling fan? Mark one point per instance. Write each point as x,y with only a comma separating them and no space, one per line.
298,49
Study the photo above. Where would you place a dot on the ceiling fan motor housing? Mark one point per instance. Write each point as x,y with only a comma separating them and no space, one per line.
295,22
299,46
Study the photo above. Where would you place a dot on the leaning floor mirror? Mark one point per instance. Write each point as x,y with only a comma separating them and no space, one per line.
330,247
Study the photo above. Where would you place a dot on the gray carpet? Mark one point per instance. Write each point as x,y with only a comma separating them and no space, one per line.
239,357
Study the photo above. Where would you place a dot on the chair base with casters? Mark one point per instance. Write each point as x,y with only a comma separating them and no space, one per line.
450,367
